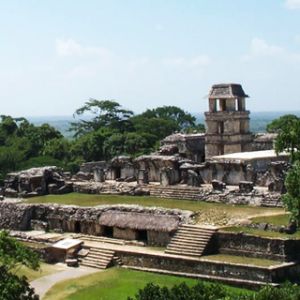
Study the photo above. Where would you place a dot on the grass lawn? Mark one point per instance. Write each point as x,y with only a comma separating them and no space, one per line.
263,233
275,220
242,260
113,284
212,213
45,269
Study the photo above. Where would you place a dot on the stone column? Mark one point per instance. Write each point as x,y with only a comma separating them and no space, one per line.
99,174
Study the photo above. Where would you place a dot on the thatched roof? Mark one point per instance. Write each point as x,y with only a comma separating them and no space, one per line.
140,221
227,91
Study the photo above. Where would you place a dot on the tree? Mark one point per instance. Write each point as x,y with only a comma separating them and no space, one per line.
276,125
292,198
215,291
181,120
107,113
12,255
288,139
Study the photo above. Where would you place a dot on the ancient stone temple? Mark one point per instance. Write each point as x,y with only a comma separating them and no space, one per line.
227,121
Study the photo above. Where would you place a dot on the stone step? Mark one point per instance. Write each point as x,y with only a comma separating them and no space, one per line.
194,231
186,241
227,280
184,253
175,191
100,250
207,228
190,240
186,246
102,267
99,256
100,239
94,262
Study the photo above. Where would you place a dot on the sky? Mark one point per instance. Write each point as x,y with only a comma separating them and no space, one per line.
56,54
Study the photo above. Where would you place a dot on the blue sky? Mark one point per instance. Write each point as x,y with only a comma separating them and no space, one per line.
56,54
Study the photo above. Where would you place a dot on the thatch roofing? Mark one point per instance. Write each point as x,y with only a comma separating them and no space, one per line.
227,91
139,221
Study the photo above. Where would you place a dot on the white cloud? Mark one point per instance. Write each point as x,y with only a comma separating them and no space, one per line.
292,4
197,61
69,47
259,48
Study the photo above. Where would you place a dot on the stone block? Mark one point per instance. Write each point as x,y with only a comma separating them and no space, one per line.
52,188
193,178
10,193
246,186
218,185
39,225
99,174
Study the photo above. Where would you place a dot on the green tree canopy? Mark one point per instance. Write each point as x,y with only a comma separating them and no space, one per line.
288,138
12,255
292,198
107,113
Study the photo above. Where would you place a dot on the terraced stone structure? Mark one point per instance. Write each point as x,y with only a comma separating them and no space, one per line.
227,121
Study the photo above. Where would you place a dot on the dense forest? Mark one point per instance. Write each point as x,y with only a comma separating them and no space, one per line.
101,130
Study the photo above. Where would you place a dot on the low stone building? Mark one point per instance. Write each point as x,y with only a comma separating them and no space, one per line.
259,167
153,226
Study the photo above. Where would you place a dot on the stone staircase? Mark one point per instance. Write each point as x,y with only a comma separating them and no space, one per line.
99,239
97,258
175,192
190,240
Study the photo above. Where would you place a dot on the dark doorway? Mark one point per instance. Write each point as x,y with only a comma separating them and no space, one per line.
118,172
108,231
77,227
142,235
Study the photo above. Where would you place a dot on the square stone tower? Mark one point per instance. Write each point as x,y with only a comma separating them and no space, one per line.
227,121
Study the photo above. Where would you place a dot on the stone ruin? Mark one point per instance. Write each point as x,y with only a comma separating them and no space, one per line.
36,182
227,153
154,226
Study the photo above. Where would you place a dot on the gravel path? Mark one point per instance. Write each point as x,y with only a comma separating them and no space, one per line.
43,284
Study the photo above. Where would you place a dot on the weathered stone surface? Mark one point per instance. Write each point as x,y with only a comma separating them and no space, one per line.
34,181
193,178
94,220
38,225
143,177
255,246
218,185
246,186
99,174
10,192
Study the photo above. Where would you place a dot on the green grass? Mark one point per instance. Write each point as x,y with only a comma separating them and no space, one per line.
45,269
213,213
113,284
242,260
275,220
263,233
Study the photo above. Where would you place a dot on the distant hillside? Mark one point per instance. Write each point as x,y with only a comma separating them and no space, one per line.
258,121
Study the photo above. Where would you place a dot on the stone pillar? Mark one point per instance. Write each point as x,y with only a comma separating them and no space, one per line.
99,174
165,177
212,105
143,177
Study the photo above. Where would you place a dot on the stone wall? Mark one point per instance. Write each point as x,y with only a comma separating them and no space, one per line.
261,247
87,219
209,268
